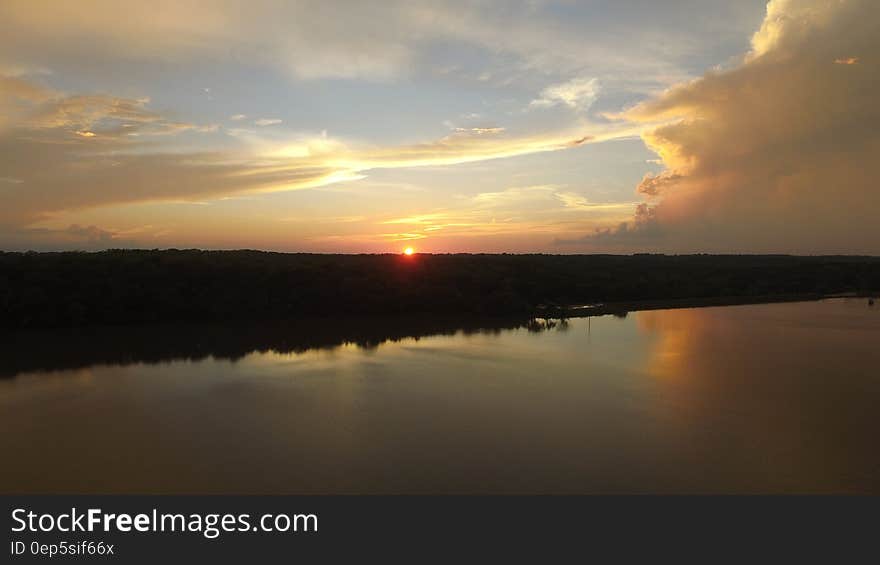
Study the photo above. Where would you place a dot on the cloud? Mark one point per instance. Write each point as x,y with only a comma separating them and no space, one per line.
309,39
73,236
480,131
39,109
263,122
574,202
348,39
72,152
92,234
639,232
777,154
519,212
652,185
61,153
578,93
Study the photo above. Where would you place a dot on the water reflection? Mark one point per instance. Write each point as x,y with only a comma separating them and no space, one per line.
790,390
769,398
23,352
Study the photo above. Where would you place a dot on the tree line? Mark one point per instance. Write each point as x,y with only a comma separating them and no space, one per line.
143,286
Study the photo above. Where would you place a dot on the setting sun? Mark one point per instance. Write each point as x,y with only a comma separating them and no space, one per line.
408,251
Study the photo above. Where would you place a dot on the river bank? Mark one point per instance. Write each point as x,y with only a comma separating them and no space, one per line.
623,308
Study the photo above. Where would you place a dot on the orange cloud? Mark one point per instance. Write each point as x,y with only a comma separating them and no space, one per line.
777,154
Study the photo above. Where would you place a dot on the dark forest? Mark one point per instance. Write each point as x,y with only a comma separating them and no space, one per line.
133,286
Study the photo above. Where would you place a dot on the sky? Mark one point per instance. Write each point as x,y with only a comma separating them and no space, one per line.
448,126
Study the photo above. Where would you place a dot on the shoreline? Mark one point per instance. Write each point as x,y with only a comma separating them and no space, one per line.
29,350
623,308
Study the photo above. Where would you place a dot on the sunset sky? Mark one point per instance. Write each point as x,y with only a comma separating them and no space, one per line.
487,126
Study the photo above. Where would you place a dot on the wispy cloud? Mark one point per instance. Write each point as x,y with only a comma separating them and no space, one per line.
347,39
262,122
86,151
479,130
544,211
578,93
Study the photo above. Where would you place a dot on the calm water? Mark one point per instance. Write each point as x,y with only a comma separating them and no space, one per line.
766,398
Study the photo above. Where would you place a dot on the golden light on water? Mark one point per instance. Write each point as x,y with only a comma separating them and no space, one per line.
408,251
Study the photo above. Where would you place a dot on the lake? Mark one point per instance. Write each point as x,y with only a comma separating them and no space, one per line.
771,398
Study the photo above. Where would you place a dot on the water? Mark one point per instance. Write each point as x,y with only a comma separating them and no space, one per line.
764,398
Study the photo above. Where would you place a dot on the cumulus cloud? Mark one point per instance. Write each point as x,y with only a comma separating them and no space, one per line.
652,185
777,154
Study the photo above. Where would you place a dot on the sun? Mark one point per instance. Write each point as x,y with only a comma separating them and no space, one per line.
408,251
